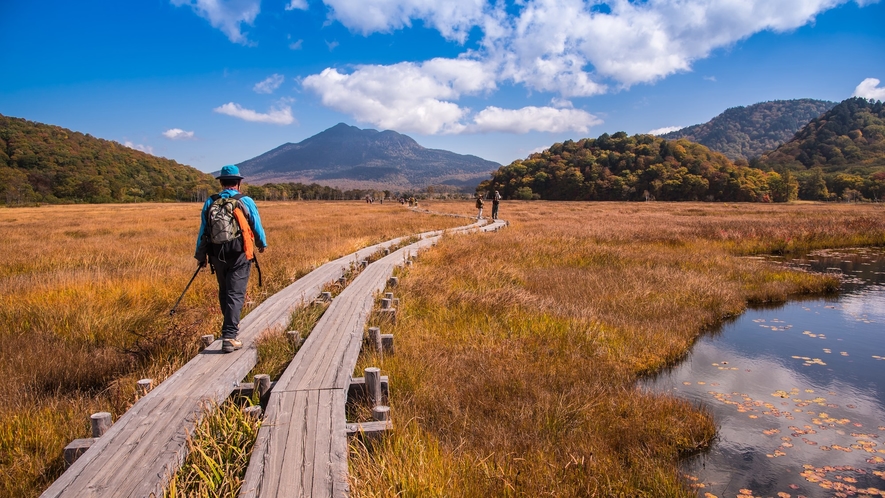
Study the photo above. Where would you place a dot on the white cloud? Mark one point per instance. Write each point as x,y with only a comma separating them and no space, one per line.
870,89
420,98
280,115
178,134
270,84
226,15
710,78
405,96
567,47
564,47
296,45
532,118
452,18
144,148
297,5
665,130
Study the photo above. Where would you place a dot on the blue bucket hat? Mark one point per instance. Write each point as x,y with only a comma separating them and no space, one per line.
229,172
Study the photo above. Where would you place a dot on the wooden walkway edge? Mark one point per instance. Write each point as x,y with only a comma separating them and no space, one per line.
147,444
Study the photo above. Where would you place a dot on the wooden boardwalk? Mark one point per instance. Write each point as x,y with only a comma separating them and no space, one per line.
139,453
301,450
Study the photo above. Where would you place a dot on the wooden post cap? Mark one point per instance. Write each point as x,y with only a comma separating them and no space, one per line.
393,281
294,337
253,412
388,295
381,413
373,385
144,386
207,340
101,422
326,296
385,304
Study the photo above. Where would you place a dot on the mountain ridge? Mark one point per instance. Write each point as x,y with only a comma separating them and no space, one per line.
347,156
746,132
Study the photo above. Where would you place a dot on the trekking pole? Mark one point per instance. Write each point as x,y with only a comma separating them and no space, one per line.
257,267
186,287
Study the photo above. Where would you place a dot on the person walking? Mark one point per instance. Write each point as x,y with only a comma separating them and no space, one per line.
230,230
496,199
479,205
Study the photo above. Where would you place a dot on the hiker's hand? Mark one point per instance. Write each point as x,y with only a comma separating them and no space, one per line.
201,264
261,249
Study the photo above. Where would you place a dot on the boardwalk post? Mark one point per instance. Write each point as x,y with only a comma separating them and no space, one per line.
144,386
388,295
393,281
101,422
375,338
294,337
387,343
326,296
385,304
262,387
207,340
373,385
381,413
253,412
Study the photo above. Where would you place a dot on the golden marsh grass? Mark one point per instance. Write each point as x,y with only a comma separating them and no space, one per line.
86,292
518,352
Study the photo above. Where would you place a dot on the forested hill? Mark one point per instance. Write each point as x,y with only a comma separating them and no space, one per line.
622,167
45,163
851,136
748,132
839,154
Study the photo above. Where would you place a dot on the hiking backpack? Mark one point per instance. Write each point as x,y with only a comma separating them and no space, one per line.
222,223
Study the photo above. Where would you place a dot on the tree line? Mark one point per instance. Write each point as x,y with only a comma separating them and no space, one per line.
638,167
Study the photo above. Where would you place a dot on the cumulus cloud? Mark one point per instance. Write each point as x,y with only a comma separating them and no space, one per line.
572,48
279,115
405,96
452,18
665,130
144,148
178,134
226,15
421,98
870,89
270,84
532,118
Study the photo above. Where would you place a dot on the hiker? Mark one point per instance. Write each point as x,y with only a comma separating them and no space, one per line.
230,230
479,204
496,199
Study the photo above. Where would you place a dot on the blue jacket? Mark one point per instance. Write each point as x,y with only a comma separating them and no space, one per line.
251,211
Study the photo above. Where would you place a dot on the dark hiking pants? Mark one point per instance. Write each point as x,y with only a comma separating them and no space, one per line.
232,273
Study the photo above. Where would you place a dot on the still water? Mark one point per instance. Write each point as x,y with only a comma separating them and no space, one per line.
798,391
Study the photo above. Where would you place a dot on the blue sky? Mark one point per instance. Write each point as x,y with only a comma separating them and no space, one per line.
214,82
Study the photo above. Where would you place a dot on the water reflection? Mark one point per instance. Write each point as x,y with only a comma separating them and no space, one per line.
797,391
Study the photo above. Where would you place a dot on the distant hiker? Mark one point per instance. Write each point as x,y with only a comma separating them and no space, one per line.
230,229
479,205
496,199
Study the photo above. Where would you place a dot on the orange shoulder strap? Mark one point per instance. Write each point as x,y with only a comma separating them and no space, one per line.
248,236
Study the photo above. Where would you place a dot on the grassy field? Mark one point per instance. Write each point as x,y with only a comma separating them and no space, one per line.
517,351
86,292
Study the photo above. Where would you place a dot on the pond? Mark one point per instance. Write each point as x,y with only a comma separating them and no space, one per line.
797,391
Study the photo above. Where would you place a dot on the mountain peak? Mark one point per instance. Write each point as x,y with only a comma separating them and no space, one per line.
349,157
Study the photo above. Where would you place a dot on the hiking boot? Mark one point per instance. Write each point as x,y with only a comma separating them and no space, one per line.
231,345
